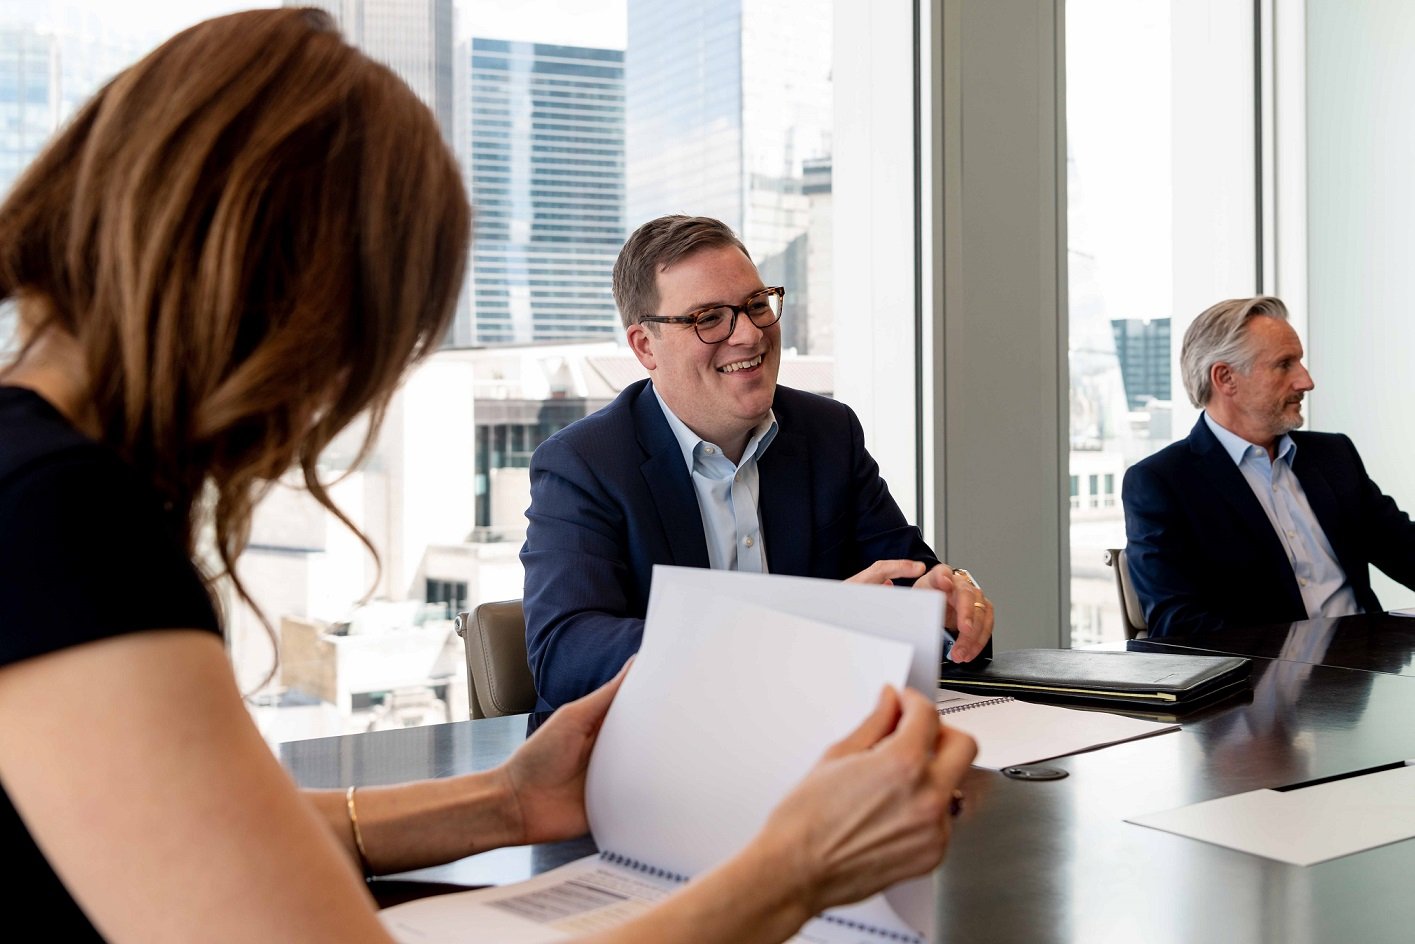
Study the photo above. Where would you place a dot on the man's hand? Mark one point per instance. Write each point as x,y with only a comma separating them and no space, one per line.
969,613
888,571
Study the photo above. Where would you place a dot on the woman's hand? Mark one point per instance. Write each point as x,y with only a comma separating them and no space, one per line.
877,808
546,775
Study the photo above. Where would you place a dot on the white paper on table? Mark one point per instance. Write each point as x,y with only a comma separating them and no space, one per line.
1305,825
730,703
1011,732
1408,611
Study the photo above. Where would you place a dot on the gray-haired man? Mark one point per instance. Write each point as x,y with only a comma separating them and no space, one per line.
1247,522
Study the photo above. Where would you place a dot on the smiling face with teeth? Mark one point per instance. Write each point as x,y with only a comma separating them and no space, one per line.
721,391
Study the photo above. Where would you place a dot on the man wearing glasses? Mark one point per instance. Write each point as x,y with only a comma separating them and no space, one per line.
706,464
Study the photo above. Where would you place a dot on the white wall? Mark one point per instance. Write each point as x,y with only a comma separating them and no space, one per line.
1361,237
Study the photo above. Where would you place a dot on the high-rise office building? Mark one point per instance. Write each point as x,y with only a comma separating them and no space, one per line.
53,55
546,171
30,98
1143,349
411,37
727,102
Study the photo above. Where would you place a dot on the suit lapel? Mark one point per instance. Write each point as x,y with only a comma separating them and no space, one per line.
1228,483
1322,498
669,484
785,501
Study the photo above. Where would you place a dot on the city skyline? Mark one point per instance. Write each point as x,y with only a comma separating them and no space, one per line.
731,124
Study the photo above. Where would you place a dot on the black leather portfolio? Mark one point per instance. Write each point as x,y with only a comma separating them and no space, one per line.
1157,680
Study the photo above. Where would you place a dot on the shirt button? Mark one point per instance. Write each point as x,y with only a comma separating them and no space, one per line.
709,450
748,542
1302,581
1292,534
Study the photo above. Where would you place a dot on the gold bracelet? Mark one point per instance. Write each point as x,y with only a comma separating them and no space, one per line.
358,833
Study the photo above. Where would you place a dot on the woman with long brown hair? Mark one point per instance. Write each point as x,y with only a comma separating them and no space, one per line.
237,247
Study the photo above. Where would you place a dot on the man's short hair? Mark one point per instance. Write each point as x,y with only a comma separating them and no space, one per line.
1220,334
654,245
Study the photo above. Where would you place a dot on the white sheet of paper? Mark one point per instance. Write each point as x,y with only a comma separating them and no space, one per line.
1408,611
1012,732
1303,826
910,616
583,897
578,898
730,703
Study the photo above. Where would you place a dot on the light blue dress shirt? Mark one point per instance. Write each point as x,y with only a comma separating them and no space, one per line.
727,493
1325,590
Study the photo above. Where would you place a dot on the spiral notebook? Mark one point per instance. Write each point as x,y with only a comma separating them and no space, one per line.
741,683
1011,732
587,895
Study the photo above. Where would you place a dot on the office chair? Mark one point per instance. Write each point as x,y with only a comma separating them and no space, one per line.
499,679
1130,609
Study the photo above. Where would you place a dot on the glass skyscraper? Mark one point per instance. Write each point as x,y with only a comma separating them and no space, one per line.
727,101
1142,347
28,97
53,56
411,37
547,178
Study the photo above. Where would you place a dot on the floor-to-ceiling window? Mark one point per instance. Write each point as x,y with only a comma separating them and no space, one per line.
1163,218
574,122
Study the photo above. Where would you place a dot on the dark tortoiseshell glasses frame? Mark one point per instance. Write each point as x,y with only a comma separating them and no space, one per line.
716,324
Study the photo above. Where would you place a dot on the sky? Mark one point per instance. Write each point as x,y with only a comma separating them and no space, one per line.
600,23
570,22
1119,135
165,17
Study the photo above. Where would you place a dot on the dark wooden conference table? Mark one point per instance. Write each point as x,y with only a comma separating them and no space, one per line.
1043,861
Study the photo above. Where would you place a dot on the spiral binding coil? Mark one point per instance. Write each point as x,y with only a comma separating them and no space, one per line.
976,704
615,858
636,865
871,929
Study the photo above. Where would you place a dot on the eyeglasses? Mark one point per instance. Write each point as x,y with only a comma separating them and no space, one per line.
715,325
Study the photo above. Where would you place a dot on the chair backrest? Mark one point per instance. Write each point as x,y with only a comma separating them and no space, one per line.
1130,609
499,678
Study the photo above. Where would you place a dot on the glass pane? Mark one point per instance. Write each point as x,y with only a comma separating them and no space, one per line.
574,121
1161,223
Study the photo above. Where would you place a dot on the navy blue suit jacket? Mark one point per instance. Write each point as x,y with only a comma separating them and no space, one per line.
611,496
1203,554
